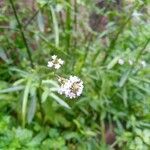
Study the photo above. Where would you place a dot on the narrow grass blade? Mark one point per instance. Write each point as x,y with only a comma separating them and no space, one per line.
12,89
32,105
124,78
25,100
40,20
55,26
59,100
45,94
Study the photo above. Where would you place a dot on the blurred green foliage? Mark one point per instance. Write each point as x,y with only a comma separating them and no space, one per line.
116,97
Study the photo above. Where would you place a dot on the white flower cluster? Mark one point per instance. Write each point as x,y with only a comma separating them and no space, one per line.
71,87
55,62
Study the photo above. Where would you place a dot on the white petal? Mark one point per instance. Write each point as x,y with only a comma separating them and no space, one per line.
54,57
143,63
121,61
50,64
60,61
57,66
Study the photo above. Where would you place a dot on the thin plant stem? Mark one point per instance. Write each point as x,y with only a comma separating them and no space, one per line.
68,25
22,33
8,28
75,22
102,132
89,40
61,20
32,18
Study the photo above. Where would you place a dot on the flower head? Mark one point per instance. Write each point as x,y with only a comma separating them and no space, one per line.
121,61
71,87
55,62
143,63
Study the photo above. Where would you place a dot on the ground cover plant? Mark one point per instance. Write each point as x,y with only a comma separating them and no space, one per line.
74,75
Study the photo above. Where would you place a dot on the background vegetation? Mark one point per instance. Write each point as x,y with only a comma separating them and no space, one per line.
106,44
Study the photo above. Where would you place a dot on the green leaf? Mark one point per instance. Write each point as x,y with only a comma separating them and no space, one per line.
42,2
12,89
59,100
51,82
55,26
57,143
23,135
32,105
18,82
3,55
124,78
89,133
25,100
146,136
113,63
21,72
40,20
53,133
37,139
125,97
45,94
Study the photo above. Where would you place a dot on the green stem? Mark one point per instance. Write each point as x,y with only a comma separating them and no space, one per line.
102,132
87,48
75,22
33,17
8,28
68,25
22,33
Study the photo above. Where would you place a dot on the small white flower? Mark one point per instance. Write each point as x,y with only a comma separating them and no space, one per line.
143,63
71,87
130,62
121,61
55,62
